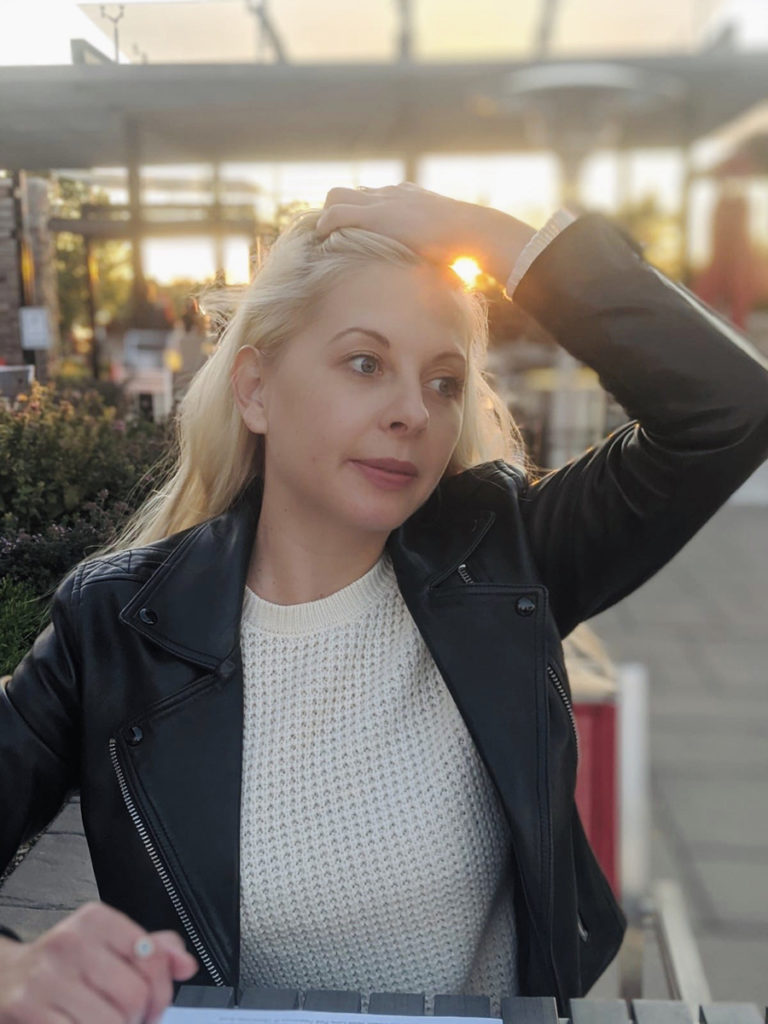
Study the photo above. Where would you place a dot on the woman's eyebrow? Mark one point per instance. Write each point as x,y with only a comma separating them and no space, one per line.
376,335
383,340
451,354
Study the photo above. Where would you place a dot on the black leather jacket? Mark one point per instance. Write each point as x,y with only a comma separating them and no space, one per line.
134,693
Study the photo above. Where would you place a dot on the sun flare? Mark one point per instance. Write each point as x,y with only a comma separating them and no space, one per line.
467,269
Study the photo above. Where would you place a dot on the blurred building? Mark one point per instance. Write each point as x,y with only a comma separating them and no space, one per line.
390,89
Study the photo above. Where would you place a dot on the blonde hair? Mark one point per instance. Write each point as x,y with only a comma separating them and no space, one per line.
217,456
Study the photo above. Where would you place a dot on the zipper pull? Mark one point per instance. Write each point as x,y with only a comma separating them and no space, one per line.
464,573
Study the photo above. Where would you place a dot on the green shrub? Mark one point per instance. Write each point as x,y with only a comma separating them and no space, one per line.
61,450
71,472
83,391
41,560
22,616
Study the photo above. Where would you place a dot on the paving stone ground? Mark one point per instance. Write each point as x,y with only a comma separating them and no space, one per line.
700,627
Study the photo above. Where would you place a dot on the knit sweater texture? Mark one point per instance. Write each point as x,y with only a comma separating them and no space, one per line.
374,851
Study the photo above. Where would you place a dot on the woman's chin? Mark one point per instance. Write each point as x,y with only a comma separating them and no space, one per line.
380,517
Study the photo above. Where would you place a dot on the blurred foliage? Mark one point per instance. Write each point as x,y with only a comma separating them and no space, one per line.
181,290
110,262
658,230
74,383
61,449
72,282
41,560
71,473
73,467
22,616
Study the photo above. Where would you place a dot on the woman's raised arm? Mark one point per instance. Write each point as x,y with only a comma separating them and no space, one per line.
696,390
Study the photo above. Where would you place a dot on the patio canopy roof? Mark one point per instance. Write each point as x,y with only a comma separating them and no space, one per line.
86,116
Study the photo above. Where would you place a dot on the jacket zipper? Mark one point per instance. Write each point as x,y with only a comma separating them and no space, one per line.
582,928
555,679
178,906
464,573
480,527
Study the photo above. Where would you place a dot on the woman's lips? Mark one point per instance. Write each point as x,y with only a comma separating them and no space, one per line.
389,474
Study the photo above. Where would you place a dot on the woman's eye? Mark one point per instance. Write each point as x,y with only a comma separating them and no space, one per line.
448,387
367,365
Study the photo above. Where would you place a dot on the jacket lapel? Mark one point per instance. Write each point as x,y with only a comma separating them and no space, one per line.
185,774
488,639
192,604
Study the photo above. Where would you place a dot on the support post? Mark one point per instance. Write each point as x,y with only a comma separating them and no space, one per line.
218,227
91,289
26,266
634,822
405,40
411,167
133,163
685,216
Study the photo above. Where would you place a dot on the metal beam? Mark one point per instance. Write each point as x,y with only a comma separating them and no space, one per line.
133,163
122,229
545,27
259,9
405,40
680,955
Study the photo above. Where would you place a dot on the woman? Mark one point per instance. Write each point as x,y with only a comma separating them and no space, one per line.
319,716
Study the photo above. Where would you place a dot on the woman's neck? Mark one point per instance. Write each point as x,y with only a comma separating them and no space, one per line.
293,565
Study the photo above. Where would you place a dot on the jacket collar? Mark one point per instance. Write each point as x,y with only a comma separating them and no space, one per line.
192,604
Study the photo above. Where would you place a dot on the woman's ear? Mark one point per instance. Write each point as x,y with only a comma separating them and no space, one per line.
248,388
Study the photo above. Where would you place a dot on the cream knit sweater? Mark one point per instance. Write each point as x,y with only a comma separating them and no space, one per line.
375,855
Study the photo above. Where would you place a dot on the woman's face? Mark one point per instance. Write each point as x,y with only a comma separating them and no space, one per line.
361,411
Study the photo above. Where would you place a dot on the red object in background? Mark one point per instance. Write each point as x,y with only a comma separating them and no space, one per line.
596,783
731,281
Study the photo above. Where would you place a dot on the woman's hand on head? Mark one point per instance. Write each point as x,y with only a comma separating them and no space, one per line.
96,965
435,226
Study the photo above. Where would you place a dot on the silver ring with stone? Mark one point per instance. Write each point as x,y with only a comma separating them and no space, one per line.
143,947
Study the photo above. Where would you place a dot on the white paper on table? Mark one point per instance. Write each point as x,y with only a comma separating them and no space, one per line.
195,1015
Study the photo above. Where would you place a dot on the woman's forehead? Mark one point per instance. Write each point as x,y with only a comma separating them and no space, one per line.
397,295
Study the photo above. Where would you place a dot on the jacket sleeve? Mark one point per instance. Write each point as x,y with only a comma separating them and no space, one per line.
697,392
39,746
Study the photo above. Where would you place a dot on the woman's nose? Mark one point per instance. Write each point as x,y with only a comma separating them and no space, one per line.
408,411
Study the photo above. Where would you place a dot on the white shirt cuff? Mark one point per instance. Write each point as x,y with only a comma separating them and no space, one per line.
537,244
